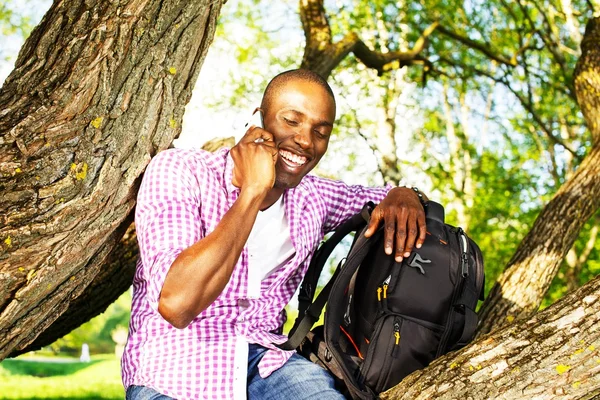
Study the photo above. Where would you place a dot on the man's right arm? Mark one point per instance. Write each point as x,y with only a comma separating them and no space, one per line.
201,271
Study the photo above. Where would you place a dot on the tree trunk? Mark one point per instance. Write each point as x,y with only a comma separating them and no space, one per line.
115,274
520,290
555,355
98,89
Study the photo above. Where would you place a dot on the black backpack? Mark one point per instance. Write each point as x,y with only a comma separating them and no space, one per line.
385,319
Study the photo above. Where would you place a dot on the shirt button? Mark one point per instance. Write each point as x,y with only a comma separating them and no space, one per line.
243,303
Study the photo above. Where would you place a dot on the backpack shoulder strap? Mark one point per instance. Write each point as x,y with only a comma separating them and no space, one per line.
335,310
309,311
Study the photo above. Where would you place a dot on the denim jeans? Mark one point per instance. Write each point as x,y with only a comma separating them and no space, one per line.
144,393
298,379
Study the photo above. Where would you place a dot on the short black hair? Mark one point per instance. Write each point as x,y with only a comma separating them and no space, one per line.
281,79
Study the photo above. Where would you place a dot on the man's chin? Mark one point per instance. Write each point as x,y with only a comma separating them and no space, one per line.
286,183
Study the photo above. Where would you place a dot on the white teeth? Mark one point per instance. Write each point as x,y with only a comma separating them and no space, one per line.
289,156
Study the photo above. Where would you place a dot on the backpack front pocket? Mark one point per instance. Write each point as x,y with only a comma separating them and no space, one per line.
391,355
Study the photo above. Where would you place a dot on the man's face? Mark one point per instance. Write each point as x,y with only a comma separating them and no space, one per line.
300,117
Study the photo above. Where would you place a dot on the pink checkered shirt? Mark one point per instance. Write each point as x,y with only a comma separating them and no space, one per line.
183,196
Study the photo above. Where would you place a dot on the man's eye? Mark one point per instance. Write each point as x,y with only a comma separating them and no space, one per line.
290,122
319,133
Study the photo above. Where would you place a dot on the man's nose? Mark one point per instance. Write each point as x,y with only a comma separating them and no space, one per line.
303,137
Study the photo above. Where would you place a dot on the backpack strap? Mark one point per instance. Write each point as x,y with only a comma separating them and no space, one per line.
468,330
309,311
335,310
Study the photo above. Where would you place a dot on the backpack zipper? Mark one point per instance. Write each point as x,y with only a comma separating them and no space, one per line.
382,293
347,319
457,291
386,284
464,253
396,348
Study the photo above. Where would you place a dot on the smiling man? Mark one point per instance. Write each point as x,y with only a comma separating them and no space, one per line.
225,239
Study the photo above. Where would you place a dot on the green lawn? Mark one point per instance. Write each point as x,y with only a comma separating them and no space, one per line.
29,377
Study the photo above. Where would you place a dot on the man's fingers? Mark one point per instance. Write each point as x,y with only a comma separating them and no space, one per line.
389,229
374,222
411,227
400,234
422,229
257,135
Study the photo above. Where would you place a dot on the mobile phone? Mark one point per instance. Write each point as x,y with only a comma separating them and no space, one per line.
256,119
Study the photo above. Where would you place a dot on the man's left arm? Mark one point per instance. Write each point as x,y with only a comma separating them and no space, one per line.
403,218
401,206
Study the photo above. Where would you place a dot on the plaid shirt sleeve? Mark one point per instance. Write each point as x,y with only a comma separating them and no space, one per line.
167,217
343,201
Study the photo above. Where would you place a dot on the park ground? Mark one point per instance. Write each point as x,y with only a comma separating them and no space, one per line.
35,376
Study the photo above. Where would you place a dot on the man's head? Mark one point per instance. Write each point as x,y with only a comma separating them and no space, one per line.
299,110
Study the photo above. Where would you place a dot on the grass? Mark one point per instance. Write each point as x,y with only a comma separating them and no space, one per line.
61,378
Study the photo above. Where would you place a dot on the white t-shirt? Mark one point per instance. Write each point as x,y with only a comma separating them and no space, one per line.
269,245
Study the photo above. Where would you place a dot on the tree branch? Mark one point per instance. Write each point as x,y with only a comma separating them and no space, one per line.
484,48
322,56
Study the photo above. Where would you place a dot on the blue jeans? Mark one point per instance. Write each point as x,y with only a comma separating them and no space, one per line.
298,379
144,393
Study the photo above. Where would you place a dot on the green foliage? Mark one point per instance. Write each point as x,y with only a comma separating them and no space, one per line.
253,31
12,21
17,19
97,332
51,378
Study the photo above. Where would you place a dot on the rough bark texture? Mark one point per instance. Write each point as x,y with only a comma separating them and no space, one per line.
98,89
555,355
114,277
519,291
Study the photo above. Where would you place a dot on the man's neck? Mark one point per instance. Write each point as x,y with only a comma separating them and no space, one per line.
273,195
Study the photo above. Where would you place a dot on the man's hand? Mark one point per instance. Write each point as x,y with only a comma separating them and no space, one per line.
404,218
254,158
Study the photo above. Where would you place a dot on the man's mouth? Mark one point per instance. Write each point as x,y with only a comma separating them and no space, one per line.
291,159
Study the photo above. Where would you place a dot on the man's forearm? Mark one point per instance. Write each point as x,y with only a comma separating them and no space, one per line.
201,272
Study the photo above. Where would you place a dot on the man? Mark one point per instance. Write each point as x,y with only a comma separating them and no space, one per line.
225,240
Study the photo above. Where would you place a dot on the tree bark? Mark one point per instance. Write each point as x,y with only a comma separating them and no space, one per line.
115,274
555,355
520,290
98,89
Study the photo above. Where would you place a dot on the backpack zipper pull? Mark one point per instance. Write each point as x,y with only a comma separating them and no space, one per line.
464,257
347,319
379,293
397,338
386,283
